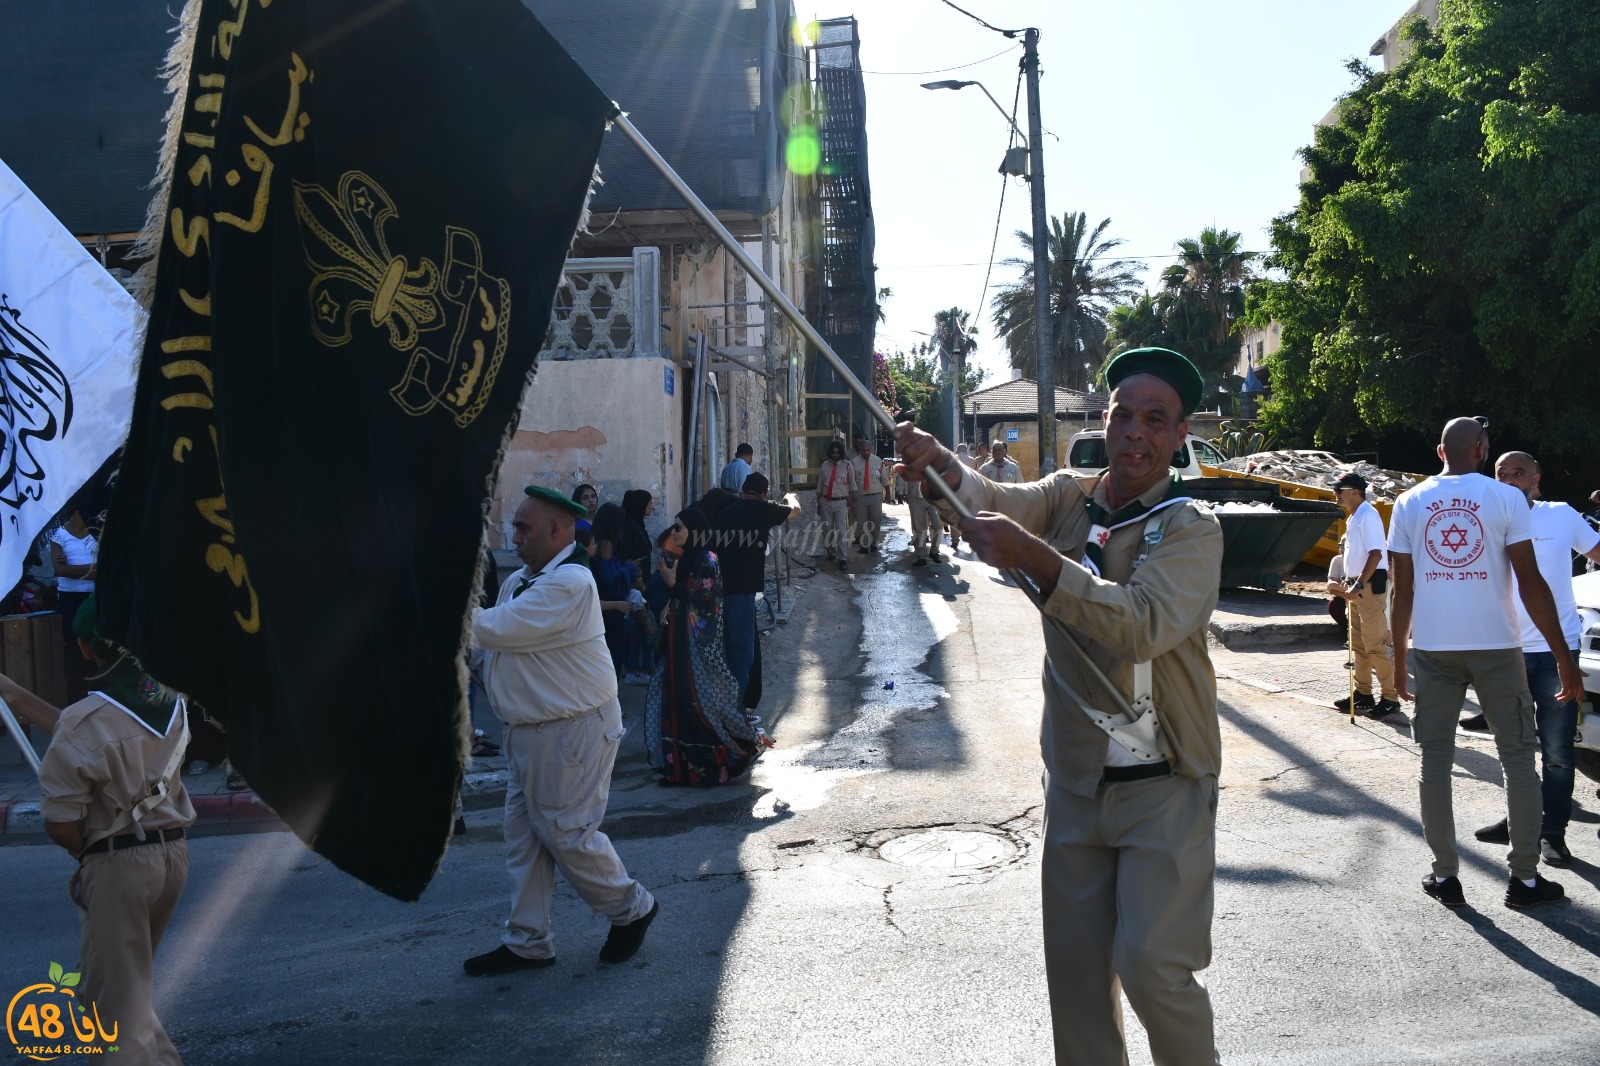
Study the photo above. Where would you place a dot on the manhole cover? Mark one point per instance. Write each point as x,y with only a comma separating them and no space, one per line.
948,849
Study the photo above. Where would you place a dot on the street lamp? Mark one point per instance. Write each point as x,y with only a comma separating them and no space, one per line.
1044,346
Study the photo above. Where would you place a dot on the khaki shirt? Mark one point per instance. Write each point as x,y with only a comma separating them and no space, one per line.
101,762
869,473
839,475
1159,615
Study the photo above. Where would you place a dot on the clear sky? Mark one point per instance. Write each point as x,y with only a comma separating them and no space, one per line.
1171,115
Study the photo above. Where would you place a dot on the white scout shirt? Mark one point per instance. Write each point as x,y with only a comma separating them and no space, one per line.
1558,532
1006,473
546,646
869,473
1363,532
1456,529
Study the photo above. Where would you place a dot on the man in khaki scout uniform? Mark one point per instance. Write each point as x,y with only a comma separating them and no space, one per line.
836,491
866,508
551,681
111,796
1130,566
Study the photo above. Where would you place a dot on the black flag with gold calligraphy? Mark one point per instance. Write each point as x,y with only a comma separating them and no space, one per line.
370,204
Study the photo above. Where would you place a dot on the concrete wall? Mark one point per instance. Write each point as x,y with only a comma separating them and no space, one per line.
608,422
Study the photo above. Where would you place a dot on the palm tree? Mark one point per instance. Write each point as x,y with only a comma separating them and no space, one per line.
1085,283
1214,271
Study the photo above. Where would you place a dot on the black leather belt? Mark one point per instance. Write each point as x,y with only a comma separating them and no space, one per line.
1113,774
131,840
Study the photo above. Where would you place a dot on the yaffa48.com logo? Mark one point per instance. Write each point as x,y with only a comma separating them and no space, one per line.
46,1021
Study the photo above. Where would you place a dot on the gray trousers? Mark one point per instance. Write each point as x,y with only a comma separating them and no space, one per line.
869,519
1127,908
925,525
559,777
1501,681
835,524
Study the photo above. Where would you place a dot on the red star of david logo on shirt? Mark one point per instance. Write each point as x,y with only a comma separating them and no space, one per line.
1454,538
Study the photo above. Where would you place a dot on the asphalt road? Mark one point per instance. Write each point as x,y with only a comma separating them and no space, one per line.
786,937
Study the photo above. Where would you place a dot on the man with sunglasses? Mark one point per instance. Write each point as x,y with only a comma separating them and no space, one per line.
1456,541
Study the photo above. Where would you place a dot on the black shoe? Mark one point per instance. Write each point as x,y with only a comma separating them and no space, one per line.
1498,833
1363,703
461,827
1553,851
1384,708
844,564
936,557
919,562
830,556
1520,895
624,940
1476,724
502,960
862,551
1447,891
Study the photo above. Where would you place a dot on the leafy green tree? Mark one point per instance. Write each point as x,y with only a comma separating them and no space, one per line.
922,386
1444,258
1085,283
1213,272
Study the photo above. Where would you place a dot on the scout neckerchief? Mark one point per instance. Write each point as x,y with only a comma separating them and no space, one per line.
1103,525
130,689
126,686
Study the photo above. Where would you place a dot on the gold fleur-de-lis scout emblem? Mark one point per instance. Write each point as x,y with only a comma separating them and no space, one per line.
353,271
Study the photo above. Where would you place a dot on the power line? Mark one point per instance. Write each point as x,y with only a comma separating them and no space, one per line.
1016,97
979,21
1087,259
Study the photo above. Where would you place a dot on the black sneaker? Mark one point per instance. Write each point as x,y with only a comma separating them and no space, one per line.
844,564
1520,895
936,557
919,562
1476,724
1553,851
625,939
1447,891
460,827
1384,708
1363,703
1498,833
503,960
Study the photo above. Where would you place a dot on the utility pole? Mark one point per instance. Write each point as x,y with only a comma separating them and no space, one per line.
1043,342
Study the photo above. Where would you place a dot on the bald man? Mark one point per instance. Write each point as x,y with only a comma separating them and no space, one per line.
1456,541
1128,566
550,680
1559,533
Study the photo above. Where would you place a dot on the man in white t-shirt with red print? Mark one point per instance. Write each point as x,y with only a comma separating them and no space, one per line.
1559,532
1455,542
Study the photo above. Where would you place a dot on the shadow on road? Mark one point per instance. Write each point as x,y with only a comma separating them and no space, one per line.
1583,992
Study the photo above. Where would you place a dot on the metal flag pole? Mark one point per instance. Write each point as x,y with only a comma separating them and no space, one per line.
732,246
15,729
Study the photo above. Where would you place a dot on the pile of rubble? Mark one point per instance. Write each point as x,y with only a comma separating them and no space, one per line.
1322,470
1238,507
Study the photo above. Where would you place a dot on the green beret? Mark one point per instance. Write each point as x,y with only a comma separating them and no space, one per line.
86,623
1165,364
555,499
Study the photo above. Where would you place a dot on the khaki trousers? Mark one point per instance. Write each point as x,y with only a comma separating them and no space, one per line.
835,524
925,525
1500,679
869,519
128,897
1370,625
1127,906
559,777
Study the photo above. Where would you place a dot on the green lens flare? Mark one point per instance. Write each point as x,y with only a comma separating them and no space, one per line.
803,153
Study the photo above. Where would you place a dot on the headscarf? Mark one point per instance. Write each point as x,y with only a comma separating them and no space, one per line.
607,525
699,527
713,502
634,540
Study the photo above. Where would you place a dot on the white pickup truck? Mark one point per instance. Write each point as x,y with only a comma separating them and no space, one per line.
1086,455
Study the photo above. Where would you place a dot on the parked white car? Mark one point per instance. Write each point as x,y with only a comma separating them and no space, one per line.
1086,455
1587,755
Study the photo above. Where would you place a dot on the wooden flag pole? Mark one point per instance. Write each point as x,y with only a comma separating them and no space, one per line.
15,729
731,245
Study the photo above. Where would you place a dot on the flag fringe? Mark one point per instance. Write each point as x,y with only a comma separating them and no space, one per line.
175,71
